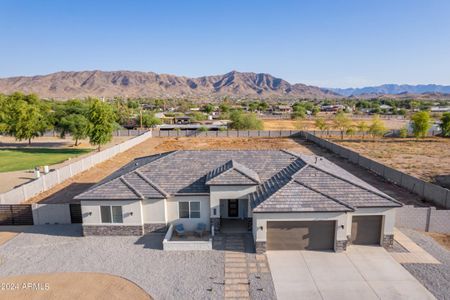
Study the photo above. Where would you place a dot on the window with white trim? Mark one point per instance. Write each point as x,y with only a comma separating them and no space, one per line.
189,209
111,214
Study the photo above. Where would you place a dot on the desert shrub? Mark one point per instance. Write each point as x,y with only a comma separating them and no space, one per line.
403,133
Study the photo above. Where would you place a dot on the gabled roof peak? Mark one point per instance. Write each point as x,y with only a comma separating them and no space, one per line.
232,173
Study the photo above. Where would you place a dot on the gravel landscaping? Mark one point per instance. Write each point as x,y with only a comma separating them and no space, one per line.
164,275
436,278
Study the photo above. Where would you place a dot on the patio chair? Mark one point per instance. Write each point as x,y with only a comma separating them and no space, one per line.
179,229
201,228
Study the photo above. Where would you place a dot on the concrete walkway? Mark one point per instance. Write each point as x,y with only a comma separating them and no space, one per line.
363,272
415,254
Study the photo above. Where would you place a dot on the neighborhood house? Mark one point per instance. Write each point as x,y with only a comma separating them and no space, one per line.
287,200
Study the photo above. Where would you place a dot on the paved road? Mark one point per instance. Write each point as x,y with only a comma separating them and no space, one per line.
363,272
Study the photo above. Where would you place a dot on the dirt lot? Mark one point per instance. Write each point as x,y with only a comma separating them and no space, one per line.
67,190
309,124
425,158
442,239
70,286
9,180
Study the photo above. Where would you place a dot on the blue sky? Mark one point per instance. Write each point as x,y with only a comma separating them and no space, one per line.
333,43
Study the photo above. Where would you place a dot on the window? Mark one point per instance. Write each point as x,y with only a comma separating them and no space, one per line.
117,214
189,209
111,214
106,214
183,208
194,210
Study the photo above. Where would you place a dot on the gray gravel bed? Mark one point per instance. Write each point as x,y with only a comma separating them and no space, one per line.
436,278
163,274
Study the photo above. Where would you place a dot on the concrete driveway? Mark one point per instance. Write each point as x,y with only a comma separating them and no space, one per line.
363,272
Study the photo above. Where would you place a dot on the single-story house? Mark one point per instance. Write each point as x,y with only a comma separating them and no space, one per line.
288,200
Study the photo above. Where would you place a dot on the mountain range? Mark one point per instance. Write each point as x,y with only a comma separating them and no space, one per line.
235,85
65,85
393,89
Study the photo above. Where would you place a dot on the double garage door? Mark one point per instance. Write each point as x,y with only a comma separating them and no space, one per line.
300,235
320,235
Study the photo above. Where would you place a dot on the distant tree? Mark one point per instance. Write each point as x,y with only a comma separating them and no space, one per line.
101,117
362,128
445,124
342,123
315,110
299,113
149,120
245,121
77,125
202,129
401,112
208,108
321,123
253,106
263,106
198,116
224,108
377,127
421,123
133,104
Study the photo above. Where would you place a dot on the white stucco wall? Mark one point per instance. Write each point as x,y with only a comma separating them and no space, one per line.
218,192
51,214
388,218
189,224
154,211
90,210
260,220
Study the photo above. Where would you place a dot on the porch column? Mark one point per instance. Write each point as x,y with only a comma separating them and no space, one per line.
216,223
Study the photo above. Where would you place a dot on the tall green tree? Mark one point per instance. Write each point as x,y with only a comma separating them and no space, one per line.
101,117
77,125
421,123
445,124
28,117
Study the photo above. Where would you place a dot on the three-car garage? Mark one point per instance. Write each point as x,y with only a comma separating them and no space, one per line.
323,232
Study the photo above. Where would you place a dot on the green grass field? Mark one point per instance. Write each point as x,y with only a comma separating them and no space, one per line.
28,158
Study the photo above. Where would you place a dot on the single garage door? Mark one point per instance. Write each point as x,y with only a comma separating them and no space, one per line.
366,230
300,235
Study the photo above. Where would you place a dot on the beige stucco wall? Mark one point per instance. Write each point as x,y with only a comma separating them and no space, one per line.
388,218
260,220
189,224
128,207
218,192
154,210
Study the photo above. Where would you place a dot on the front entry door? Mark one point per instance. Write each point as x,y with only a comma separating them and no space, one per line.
233,208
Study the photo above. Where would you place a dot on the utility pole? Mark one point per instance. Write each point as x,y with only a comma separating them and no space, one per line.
140,113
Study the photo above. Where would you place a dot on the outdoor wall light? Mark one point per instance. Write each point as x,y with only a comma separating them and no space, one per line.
342,226
261,228
131,213
90,213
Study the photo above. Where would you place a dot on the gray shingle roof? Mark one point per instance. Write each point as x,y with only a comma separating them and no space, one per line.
287,182
116,189
232,173
342,190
